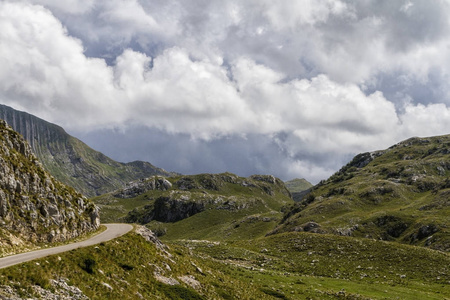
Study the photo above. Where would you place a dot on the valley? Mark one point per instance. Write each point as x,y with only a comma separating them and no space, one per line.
376,229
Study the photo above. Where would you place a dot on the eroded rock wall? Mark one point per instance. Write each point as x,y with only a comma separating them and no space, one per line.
33,204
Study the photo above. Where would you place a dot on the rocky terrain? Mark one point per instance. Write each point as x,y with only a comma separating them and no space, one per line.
73,162
221,199
34,206
398,194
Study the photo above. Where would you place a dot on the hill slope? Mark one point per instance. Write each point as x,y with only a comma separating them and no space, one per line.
296,265
298,188
33,205
73,162
401,194
298,185
212,206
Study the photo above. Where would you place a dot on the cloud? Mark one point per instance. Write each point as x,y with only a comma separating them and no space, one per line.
73,7
45,71
292,89
254,154
421,120
361,42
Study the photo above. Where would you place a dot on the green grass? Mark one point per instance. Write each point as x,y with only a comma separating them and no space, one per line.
115,209
128,264
322,266
222,225
285,266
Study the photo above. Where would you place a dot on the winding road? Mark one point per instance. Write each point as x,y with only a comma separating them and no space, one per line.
112,231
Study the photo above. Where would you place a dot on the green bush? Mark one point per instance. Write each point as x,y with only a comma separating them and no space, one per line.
88,265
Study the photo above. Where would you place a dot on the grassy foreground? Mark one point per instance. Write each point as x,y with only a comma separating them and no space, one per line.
285,266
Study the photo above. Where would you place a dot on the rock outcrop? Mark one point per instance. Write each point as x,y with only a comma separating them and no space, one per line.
136,188
34,205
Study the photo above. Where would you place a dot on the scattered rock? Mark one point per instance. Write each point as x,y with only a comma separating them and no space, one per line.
107,286
309,227
191,281
136,188
424,232
149,236
165,280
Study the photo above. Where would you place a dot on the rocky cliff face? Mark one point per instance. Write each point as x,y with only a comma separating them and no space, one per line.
34,205
73,162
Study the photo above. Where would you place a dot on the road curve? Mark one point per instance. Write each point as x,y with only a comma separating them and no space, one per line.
112,231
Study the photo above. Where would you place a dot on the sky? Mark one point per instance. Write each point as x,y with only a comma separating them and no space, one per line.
289,88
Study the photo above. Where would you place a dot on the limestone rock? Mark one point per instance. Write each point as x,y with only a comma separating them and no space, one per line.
33,204
149,236
136,188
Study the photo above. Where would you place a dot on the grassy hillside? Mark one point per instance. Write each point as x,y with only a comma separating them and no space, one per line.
286,266
399,194
73,162
205,206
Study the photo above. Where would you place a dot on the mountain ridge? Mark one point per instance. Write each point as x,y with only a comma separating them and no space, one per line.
217,247
298,185
72,161
398,194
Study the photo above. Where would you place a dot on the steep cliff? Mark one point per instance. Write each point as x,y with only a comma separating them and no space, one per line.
33,205
73,162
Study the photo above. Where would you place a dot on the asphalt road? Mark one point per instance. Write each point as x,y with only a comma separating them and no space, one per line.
112,231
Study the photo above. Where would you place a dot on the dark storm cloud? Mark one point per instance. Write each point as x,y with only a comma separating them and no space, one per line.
254,154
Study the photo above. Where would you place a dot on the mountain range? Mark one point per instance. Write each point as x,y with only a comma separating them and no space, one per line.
73,162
